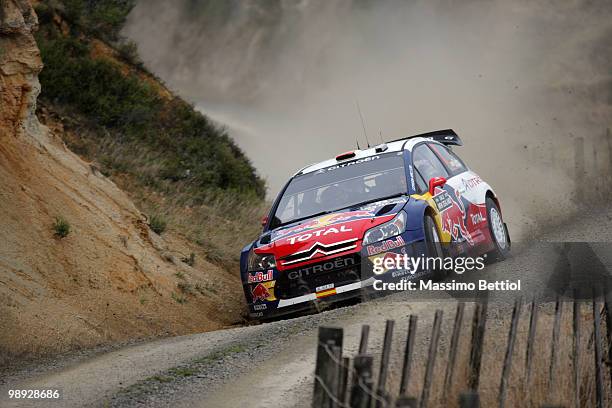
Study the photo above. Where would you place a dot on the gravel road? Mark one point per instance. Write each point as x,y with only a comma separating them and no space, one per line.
272,364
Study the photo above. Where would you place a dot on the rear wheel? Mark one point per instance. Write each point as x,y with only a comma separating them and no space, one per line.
434,246
499,232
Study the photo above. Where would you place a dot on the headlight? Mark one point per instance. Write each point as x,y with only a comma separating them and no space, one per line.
260,262
387,230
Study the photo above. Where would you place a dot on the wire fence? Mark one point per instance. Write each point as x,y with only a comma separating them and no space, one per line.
342,381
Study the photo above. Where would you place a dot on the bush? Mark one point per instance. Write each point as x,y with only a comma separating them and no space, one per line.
61,227
189,260
103,18
158,224
189,147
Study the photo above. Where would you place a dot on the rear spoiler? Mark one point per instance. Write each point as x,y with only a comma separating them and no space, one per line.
447,137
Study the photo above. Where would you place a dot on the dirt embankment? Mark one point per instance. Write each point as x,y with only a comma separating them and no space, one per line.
111,278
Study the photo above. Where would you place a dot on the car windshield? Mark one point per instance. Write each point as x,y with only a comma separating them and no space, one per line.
344,185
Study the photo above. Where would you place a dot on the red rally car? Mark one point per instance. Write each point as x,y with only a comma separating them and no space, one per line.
333,219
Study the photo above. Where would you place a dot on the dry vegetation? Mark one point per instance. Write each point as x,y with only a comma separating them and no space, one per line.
179,168
539,392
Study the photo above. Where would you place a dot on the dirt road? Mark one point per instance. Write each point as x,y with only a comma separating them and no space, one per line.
272,364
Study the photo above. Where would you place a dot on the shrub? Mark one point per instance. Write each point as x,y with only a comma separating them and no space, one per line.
189,260
158,224
179,298
189,147
185,287
61,227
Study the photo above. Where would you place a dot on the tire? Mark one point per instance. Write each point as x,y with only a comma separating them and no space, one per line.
434,246
499,232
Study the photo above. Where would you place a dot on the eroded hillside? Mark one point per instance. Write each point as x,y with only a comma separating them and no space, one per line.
79,262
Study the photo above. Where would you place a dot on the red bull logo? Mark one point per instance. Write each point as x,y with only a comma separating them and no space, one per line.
260,292
385,246
260,276
453,217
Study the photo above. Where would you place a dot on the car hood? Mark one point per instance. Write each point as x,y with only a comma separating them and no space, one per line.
322,237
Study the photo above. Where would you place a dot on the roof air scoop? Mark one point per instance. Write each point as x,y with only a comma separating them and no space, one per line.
344,156
381,148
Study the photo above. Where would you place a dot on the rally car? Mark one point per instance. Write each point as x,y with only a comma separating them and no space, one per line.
333,219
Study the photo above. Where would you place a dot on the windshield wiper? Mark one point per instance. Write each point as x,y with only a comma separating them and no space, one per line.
305,218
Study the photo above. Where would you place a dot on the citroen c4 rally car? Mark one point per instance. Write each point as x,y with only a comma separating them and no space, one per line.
333,219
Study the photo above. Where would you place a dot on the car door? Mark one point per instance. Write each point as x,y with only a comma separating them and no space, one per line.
468,190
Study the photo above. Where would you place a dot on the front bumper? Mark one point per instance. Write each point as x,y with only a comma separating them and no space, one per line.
331,287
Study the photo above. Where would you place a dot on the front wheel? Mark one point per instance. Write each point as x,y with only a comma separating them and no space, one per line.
499,232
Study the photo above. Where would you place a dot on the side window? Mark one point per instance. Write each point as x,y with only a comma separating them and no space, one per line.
450,160
427,163
421,185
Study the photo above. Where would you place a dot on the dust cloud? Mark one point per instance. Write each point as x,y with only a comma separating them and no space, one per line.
527,84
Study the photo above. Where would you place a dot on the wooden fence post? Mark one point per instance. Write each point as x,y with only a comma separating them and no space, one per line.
608,301
576,352
431,358
406,402
599,392
361,389
555,345
452,354
363,343
384,360
412,327
533,322
609,140
478,331
328,336
503,387
579,167
469,399
344,375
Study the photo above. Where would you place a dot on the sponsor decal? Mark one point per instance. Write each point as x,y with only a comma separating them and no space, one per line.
261,306
339,166
324,287
260,292
258,314
319,233
385,245
471,183
442,199
453,218
261,276
412,184
477,218
323,267
326,293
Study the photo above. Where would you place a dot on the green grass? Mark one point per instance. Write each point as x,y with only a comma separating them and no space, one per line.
182,372
185,144
61,227
171,159
180,299
158,224
190,260
185,287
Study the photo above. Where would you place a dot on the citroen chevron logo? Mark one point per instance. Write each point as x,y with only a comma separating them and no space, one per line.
319,248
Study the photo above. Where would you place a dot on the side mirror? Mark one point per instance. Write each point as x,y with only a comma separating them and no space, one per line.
264,220
436,182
